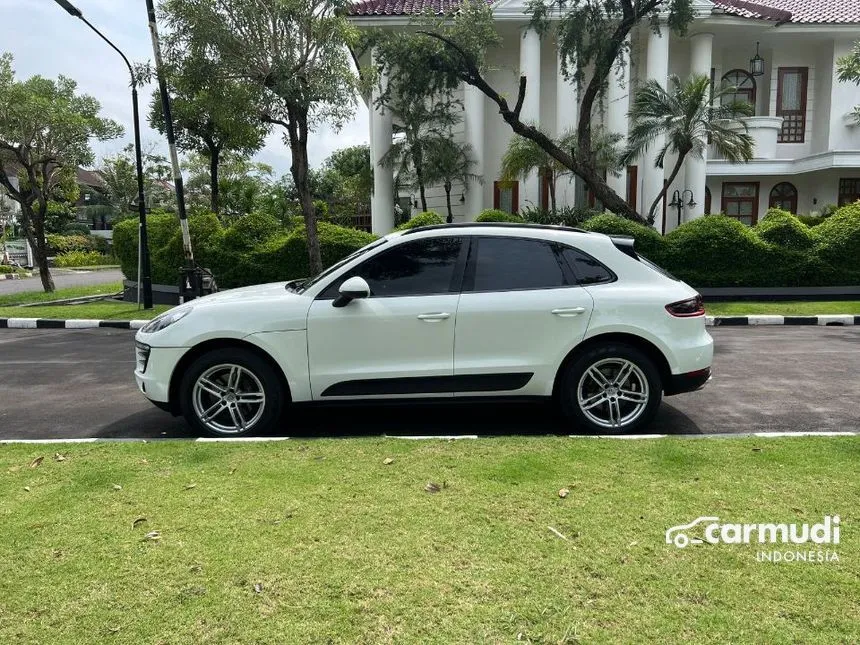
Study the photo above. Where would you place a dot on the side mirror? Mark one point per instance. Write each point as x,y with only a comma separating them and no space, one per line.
353,288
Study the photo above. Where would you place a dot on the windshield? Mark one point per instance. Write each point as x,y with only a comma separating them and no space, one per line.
302,286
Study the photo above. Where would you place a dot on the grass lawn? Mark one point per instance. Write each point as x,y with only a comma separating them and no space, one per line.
313,541
107,289
100,310
787,308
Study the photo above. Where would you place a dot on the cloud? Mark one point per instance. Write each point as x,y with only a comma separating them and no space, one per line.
45,40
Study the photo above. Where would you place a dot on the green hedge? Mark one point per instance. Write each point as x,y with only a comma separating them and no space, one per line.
781,228
491,215
648,241
837,242
83,259
58,244
427,218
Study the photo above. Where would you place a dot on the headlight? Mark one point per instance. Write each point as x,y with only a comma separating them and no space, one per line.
165,320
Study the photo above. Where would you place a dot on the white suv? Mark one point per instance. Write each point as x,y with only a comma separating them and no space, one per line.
441,312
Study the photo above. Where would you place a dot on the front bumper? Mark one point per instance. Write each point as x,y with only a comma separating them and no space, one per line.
153,379
688,382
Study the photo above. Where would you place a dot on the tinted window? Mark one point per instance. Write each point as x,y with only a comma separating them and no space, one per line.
418,268
503,264
587,269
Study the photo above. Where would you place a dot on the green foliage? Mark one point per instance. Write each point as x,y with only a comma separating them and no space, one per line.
572,216
58,244
5,268
76,228
250,231
848,71
492,215
811,220
837,242
83,259
783,229
59,216
427,218
648,241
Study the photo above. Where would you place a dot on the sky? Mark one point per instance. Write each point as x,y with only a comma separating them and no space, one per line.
47,41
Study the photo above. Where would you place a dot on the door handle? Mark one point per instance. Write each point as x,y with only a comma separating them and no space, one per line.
434,317
567,312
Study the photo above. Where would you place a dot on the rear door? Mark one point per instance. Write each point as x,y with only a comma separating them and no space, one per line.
521,310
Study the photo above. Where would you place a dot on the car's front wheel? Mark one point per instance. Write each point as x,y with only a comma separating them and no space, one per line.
611,388
231,392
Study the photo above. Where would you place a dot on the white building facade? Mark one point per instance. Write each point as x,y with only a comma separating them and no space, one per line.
807,153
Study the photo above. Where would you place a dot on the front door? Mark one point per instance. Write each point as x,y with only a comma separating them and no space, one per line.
520,312
400,340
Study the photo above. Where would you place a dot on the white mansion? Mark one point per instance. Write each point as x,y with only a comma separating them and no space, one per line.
807,143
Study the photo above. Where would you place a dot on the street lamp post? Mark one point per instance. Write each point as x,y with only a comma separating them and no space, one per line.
144,275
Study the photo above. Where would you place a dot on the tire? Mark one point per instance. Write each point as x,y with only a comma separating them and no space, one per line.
631,408
253,404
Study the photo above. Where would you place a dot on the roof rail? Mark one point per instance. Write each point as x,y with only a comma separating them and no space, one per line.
436,227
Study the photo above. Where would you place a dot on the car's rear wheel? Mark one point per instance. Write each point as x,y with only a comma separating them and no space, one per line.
231,392
612,388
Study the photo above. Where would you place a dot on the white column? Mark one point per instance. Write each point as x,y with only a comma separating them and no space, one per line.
566,119
657,68
474,103
701,47
530,68
382,200
617,106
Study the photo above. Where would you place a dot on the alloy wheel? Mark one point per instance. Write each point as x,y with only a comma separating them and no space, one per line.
613,392
228,399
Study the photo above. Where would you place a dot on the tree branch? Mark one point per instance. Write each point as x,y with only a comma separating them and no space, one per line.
521,96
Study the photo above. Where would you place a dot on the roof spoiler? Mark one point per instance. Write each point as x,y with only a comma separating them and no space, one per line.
625,244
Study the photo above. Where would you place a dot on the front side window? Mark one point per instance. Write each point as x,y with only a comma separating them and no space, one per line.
508,264
740,200
418,268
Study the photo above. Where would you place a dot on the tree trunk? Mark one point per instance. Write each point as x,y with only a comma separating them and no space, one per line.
298,129
34,231
214,159
662,194
448,200
551,182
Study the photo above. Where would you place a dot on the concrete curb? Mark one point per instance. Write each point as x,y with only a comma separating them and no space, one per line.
50,323
831,320
717,435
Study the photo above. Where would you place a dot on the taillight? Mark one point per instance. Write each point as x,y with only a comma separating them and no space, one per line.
687,308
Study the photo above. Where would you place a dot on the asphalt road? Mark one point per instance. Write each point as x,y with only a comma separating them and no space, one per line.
62,280
62,384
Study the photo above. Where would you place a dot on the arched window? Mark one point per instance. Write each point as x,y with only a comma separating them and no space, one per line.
707,201
744,83
784,196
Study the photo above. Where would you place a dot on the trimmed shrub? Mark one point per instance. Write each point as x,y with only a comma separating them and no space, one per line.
491,215
427,218
76,228
648,241
251,230
573,216
5,268
285,256
165,244
811,220
83,259
837,243
783,229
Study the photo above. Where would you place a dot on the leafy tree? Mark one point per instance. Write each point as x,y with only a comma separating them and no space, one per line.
592,34
241,183
119,173
422,123
848,70
449,162
212,115
347,176
294,55
45,132
684,114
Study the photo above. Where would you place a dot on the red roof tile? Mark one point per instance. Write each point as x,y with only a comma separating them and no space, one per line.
795,11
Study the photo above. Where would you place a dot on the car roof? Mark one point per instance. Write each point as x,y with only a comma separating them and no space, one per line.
492,225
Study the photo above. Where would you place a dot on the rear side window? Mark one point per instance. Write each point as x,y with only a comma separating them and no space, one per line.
586,268
420,268
508,264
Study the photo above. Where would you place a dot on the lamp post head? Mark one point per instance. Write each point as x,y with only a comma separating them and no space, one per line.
756,63
72,9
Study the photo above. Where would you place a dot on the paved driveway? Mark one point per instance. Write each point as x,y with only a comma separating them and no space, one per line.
57,383
62,280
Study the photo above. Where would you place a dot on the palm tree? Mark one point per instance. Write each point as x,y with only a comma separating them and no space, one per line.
689,117
524,156
449,162
420,123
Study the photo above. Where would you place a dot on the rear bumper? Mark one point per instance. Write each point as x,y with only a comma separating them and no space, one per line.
688,382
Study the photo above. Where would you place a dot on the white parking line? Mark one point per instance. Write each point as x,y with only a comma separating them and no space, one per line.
238,439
